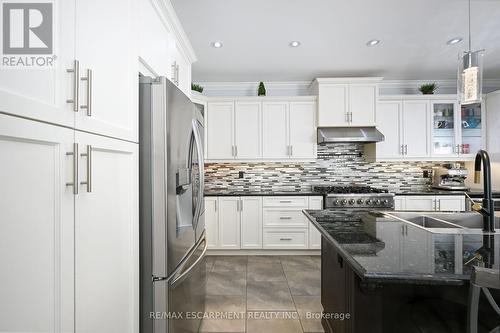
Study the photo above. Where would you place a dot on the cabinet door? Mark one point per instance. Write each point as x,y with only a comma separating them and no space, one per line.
106,237
389,117
443,128
251,222
220,124
399,203
154,40
247,134
314,234
42,93
36,229
333,105
450,203
362,104
211,222
106,43
420,203
182,69
229,223
302,117
275,126
471,129
416,128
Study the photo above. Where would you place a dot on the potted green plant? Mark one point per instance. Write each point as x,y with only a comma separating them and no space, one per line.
262,89
428,88
196,87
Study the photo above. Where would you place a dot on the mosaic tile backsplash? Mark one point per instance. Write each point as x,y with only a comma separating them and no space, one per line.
339,164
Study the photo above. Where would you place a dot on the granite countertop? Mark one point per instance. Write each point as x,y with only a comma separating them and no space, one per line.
380,251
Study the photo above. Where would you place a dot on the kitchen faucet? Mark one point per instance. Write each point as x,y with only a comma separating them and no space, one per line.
487,208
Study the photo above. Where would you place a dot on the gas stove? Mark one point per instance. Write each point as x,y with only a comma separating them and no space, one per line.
355,197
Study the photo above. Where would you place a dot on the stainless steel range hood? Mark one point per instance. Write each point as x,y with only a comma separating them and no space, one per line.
349,134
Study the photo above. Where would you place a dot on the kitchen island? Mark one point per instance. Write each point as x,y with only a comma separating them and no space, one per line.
398,272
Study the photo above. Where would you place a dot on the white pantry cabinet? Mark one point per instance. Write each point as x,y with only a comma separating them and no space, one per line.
106,236
106,46
41,94
346,101
261,128
37,228
73,234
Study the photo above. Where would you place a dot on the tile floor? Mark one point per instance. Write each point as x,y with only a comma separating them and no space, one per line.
263,293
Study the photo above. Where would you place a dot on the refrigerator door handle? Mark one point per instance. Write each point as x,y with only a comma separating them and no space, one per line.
181,276
201,167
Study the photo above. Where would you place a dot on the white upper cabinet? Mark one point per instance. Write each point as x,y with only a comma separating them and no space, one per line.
389,116
247,130
36,229
302,129
416,128
42,94
106,46
362,104
275,130
220,130
346,101
261,128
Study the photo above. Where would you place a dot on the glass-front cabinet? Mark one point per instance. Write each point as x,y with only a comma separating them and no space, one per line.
444,125
456,130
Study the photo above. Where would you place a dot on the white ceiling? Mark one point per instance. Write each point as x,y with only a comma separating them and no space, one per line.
333,33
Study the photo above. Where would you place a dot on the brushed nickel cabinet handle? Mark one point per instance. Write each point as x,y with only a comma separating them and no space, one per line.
88,106
285,201
76,87
74,153
173,69
88,182
291,150
215,204
285,217
235,151
241,205
285,239
406,149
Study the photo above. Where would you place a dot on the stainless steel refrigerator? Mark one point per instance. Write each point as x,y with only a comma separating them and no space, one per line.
172,227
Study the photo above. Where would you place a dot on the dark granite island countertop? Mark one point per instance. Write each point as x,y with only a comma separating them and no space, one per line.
387,250
264,193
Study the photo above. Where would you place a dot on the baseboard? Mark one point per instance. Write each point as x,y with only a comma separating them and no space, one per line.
263,252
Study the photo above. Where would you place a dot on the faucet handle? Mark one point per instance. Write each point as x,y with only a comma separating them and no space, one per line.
477,177
477,207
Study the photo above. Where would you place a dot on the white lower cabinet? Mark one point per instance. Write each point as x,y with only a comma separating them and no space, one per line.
429,203
229,223
314,234
251,222
69,238
255,222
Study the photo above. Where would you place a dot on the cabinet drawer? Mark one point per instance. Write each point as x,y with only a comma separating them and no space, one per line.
285,239
300,202
284,218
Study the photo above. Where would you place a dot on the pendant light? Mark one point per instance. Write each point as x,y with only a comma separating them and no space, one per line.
470,74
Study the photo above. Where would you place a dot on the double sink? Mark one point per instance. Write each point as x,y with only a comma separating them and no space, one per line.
466,221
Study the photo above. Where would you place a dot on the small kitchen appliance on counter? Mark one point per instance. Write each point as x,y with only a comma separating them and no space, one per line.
355,197
450,177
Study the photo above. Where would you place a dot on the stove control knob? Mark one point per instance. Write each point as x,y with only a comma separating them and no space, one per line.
344,202
377,202
369,201
352,202
360,201
386,202
336,202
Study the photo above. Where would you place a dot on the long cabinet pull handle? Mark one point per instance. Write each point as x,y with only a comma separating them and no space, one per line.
74,153
173,68
285,217
215,203
285,201
406,149
291,150
241,205
88,106
285,239
88,182
235,151
76,84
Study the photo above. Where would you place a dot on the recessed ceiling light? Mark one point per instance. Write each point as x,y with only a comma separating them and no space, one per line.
295,43
454,41
373,42
217,44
